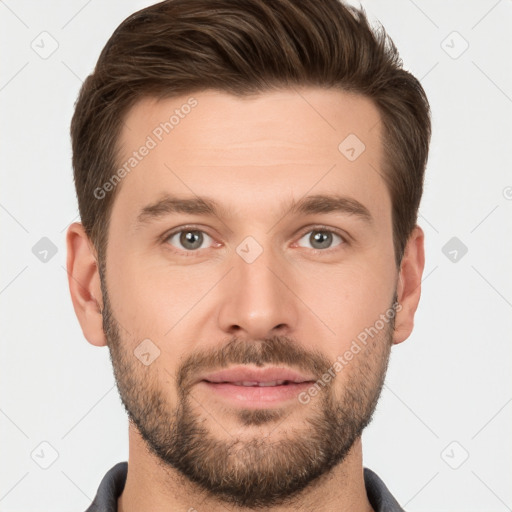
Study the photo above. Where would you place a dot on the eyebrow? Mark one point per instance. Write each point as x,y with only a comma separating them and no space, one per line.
315,204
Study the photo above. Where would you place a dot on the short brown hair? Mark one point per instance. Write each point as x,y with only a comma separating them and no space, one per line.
246,47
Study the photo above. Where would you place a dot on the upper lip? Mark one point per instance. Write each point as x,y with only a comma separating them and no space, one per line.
247,374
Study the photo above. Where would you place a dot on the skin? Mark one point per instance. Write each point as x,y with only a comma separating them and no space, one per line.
251,155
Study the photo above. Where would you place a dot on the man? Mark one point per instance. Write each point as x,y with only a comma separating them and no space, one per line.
248,177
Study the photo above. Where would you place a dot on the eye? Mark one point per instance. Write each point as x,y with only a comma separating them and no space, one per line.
188,239
321,238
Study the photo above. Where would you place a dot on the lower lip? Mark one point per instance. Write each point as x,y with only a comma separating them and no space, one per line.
256,396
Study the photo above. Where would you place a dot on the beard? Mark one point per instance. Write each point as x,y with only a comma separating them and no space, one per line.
263,470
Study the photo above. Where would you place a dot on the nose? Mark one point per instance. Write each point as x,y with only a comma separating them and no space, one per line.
257,298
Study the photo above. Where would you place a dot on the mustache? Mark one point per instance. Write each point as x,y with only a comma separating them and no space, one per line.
274,350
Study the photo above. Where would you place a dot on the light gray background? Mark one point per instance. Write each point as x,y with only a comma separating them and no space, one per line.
448,394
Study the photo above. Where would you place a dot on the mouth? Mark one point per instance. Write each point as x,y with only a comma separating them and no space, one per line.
258,383
256,387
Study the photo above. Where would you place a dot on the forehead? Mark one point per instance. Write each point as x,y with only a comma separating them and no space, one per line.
294,141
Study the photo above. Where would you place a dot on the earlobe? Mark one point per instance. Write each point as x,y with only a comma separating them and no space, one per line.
409,285
84,284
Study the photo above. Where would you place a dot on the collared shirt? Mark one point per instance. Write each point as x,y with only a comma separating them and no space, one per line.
113,482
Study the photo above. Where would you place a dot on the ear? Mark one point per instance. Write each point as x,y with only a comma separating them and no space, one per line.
409,285
84,284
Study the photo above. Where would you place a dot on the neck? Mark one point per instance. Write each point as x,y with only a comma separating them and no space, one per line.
153,486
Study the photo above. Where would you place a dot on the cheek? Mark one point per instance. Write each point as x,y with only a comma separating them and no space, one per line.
159,302
349,299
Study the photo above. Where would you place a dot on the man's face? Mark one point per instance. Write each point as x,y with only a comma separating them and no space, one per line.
263,290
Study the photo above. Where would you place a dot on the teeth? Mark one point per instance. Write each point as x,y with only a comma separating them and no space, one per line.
259,384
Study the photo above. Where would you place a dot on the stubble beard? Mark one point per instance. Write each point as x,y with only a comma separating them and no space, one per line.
261,471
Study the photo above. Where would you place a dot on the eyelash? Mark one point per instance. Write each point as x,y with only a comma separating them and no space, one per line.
317,228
